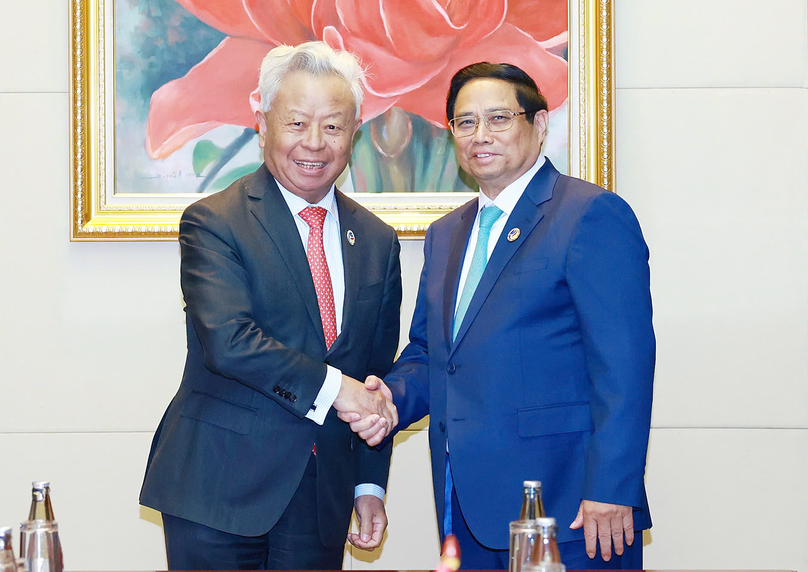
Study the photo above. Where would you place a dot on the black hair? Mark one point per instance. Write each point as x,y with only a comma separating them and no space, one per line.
527,92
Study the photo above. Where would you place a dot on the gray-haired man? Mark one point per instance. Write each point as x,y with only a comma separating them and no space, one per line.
292,293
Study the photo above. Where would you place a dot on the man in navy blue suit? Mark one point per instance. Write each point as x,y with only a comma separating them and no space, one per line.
532,347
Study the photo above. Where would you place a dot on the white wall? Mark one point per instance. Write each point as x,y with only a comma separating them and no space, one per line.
712,152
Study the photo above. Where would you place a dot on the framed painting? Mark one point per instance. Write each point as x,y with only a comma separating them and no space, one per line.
163,94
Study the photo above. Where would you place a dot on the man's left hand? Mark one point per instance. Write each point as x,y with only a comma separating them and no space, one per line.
372,522
607,523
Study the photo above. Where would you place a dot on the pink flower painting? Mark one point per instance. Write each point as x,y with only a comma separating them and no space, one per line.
410,48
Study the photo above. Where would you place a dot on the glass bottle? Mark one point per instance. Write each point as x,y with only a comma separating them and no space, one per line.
7,561
532,506
546,557
41,507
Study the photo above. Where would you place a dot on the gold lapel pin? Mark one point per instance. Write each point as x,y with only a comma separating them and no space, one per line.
351,237
514,234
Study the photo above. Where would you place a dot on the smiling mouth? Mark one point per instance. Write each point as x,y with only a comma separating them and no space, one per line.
312,165
483,155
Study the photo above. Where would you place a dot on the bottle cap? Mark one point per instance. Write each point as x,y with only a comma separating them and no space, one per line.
5,538
546,521
532,484
40,485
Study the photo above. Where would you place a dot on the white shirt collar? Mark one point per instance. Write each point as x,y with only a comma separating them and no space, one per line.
297,204
510,195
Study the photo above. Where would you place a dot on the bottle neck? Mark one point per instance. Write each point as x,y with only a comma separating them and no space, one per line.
41,508
5,539
532,507
548,548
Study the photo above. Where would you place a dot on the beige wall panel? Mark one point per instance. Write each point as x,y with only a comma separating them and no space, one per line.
412,260
711,43
728,499
411,542
718,180
38,29
96,330
95,482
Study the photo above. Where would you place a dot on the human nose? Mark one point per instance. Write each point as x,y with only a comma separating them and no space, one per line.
313,138
481,132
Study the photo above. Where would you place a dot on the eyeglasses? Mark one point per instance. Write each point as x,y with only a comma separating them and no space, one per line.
495,121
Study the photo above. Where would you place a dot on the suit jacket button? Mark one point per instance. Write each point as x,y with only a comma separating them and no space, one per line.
450,368
293,398
441,426
277,389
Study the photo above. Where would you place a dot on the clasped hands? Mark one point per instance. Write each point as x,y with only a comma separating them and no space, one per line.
367,407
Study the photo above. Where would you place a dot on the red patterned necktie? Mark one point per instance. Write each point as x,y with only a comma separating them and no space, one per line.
315,217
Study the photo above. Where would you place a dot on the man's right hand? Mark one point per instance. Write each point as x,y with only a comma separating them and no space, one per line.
368,429
371,414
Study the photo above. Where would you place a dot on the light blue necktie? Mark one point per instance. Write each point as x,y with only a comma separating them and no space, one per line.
488,216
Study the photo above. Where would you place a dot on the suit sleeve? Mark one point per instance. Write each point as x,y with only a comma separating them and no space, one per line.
218,299
409,378
608,276
374,464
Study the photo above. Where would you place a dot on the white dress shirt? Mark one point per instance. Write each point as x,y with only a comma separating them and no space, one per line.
505,201
332,244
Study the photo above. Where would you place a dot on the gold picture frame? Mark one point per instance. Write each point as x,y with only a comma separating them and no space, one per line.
98,214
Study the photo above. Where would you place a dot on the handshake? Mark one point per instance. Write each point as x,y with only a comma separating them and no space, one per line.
368,408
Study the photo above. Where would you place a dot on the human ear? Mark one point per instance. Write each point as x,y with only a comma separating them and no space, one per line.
261,118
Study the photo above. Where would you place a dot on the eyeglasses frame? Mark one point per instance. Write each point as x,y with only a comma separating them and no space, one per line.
514,115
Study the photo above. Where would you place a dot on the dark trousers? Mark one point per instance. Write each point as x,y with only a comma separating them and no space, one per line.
292,544
475,556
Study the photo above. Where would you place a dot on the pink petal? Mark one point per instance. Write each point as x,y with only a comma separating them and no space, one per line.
227,16
304,10
388,75
507,45
278,22
542,19
419,30
214,92
323,14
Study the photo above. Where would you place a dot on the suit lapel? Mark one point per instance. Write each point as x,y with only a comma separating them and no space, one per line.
457,250
272,212
525,217
351,260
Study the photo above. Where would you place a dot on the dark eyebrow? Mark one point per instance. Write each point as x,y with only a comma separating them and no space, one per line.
495,109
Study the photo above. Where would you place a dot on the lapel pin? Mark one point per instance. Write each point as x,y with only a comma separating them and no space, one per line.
351,237
513,234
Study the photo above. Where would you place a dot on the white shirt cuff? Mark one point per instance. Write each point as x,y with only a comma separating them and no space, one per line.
369,489
327,395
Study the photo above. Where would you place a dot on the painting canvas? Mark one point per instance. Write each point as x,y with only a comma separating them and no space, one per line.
168,92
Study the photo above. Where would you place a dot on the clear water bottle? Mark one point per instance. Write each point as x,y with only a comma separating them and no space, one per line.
546,557
524,535
532,506
7,561
40,546
41,507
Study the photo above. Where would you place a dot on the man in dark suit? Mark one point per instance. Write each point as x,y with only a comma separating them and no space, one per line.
292,293
532,348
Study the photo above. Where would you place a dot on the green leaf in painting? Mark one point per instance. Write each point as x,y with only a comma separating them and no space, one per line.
233,175
205,153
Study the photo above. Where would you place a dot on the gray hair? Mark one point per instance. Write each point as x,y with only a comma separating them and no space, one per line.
315,58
